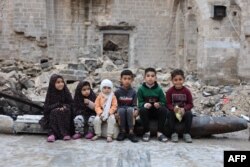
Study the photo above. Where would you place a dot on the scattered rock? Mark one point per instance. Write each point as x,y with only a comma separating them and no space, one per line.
118,62
226,90
29,80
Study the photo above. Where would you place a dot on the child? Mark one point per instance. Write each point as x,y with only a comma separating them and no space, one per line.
152,104
127,106
57,109
105,107
84,102
180,103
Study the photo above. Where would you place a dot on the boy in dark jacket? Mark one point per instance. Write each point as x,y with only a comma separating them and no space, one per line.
127,106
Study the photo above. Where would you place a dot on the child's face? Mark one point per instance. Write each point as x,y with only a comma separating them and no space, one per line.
59,84
178,81
150,78
126,80
85,91
106,90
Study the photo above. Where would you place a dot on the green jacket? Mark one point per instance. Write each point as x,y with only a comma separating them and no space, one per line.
150,95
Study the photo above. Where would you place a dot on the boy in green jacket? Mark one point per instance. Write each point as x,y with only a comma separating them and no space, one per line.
152,104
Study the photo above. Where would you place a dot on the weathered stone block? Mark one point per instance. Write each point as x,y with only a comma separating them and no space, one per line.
247,30
6,124
67,72
81,73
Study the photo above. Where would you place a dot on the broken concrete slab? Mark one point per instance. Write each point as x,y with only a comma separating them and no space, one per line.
8,69
27,82
28,124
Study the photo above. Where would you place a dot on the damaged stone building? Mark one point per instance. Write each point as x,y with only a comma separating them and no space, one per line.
207,37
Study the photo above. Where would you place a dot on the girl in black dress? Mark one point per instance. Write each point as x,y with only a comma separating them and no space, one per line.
57,109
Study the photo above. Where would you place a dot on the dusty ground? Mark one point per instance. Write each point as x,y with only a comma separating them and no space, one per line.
33,150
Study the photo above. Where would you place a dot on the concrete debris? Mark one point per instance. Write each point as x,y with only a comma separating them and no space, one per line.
209,100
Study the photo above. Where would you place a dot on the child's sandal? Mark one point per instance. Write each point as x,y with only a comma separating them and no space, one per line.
162,138
95,138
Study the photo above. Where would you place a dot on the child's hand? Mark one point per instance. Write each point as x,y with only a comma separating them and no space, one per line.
86,101
117,117
182,111
135,113
147,105
157,105
176,109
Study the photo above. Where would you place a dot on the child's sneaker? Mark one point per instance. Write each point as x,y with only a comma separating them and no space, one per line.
77,136
89,135
162,138
146,137
187,138
174,137
121,136
51,138
132,137
67,137
95,137
109,139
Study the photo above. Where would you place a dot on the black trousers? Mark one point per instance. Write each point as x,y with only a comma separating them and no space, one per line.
187,120
159,114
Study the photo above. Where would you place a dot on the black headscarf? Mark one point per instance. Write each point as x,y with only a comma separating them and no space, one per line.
57,98
79,98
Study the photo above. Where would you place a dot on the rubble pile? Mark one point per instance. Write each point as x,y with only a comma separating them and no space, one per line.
30,81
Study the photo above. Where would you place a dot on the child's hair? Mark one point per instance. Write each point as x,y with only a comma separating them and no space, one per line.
127,72
177,72
150,69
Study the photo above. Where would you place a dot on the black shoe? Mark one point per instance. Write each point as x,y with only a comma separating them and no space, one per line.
121,136
132,137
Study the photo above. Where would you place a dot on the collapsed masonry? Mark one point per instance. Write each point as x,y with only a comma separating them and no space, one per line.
30,81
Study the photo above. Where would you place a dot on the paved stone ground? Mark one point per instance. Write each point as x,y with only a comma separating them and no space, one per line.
33,150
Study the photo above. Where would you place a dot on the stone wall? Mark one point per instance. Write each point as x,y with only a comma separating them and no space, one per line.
23,29
162,33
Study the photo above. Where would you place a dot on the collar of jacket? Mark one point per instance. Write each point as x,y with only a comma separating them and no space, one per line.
153,87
